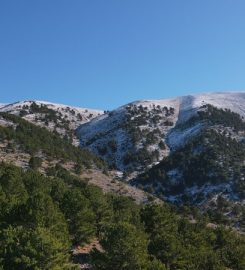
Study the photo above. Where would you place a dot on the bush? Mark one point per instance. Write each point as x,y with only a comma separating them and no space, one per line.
35,163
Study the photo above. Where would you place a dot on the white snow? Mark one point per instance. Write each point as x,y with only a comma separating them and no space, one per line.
54,106
235,101
108,126
173,102
188,105
71,116
67,112
100,130
177,138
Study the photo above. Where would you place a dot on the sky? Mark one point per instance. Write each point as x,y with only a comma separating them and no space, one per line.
105,53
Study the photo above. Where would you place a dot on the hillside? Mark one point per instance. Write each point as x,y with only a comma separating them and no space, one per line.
29,146
140,134
43,217
186,150
61,118
133,136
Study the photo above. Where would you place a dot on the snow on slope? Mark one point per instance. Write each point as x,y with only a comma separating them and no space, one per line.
17,106
225,100
98,132
105,123
119,126
173,102
189,105
189,175
96,129
62,118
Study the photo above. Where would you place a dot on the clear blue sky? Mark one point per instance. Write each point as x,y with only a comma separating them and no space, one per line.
104,53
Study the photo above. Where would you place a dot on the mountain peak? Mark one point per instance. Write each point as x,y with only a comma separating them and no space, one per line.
139,127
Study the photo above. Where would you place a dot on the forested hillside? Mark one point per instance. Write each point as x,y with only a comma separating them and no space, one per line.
62,119
188,151
29,146
42,217
207,170
19,134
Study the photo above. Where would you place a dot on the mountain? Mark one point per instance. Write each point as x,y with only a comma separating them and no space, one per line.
132,136
188,149
140,134
28,142
61,118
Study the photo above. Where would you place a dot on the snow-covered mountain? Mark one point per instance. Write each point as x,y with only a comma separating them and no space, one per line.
63,119
186,149
132,136
189,149
233,101
140,134
21,142
191,105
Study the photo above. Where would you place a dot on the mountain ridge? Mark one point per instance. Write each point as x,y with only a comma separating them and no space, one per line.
89,123
186,149
184,108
